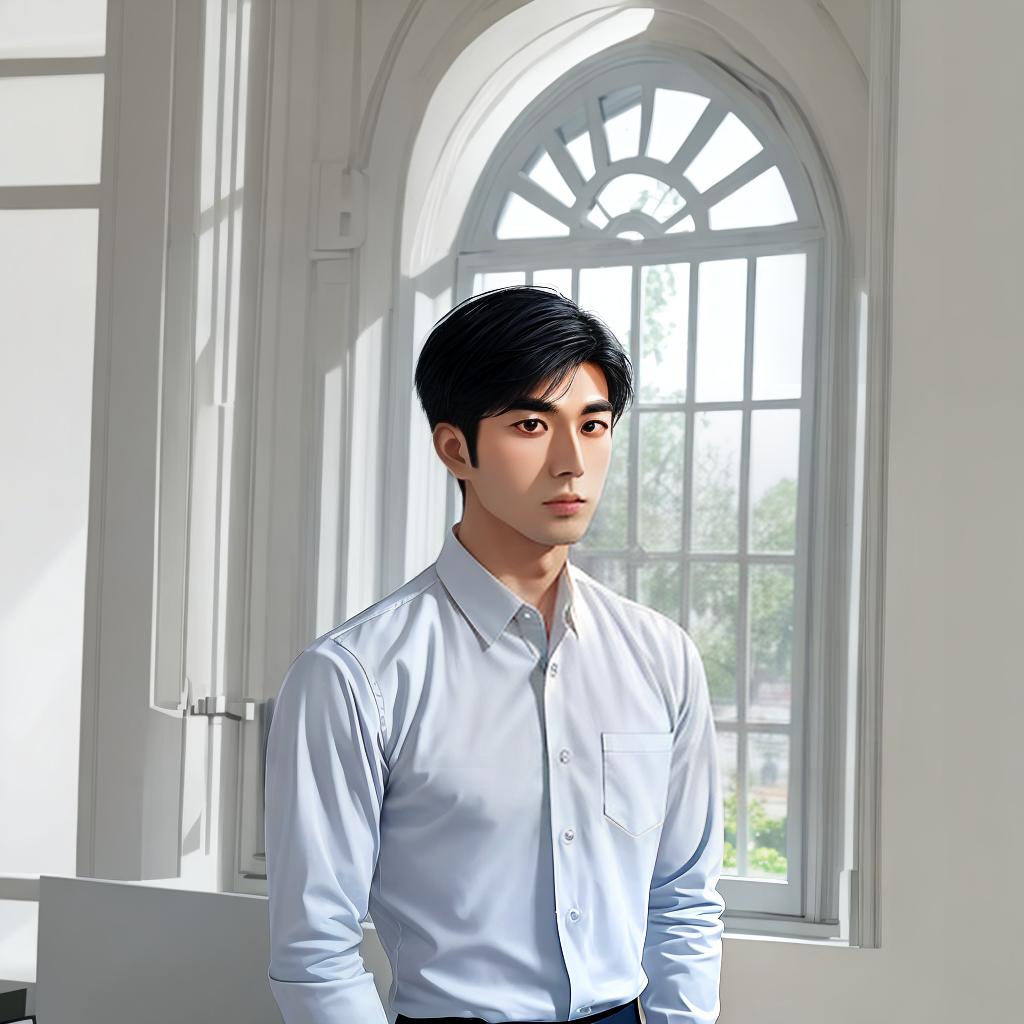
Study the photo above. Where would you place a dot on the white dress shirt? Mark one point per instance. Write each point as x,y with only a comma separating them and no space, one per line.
534,825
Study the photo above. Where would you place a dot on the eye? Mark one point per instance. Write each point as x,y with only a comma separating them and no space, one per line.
516,424
535,420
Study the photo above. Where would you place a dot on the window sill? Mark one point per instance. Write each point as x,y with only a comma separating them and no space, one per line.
785,929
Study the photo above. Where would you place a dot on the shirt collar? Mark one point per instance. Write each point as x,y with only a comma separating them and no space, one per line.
487,602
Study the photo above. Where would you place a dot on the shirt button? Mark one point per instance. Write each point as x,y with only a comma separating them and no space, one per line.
574,915
569,835
554,668
583,1009
564,755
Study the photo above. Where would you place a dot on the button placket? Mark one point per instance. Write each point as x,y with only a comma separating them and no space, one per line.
569,919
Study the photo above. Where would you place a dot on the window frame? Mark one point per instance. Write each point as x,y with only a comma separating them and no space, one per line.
808,903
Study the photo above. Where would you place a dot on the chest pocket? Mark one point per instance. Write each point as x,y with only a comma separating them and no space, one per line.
636,769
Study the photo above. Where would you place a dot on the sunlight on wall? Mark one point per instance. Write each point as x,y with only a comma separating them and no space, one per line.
446,164
48,303
329,563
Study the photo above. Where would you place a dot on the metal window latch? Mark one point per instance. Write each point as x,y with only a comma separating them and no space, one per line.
220,706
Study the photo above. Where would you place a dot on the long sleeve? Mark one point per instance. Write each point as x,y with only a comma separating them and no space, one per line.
683,948
324,790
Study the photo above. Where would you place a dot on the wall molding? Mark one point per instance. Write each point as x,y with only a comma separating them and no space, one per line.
883,119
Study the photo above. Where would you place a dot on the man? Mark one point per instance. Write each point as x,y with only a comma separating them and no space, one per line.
511,767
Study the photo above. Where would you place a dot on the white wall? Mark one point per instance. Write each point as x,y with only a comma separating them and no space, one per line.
47,311
952,828
954,711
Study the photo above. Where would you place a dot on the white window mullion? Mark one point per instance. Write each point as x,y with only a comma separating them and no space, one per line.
646,112
563,160
743,585
686,526
598,141
735,180
629,562
705,127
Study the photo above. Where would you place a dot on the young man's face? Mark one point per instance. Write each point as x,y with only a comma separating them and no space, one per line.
527,457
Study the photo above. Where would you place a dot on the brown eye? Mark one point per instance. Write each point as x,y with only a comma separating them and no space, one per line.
516,424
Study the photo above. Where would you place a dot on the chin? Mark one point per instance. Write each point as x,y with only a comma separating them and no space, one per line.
571,524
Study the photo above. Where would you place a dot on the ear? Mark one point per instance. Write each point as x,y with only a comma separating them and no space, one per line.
452,448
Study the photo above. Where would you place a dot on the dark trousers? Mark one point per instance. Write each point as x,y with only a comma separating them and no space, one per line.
627,1013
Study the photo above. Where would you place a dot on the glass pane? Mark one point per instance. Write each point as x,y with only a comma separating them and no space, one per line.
774,463
771,642
721,330
662,436
762,202
609,571
521,219
731,145
686,224
640,192
544,172
607,530
621,113
727,760
560,280
779,325
607,291
767,787
51,129
664,316
675,114
716,480
580,150
574,133
714,603
53,28
657,586
497,279
666,207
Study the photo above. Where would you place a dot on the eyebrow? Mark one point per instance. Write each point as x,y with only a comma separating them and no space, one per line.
527,404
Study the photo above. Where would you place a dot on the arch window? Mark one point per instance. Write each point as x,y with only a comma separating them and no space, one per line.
665,197
645,163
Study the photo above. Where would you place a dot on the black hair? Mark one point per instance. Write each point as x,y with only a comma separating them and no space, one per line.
494,348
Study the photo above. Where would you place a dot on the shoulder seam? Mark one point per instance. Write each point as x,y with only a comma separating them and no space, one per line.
381,611
377,695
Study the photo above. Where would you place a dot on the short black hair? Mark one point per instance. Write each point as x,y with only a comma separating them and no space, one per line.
493,349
